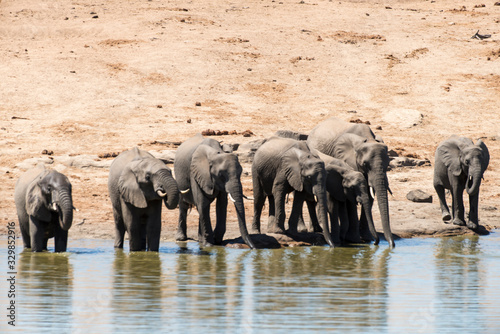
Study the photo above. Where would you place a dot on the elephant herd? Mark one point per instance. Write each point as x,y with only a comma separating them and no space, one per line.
336,167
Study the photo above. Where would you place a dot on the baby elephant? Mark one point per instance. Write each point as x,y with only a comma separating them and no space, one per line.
137,184
45,208
460,165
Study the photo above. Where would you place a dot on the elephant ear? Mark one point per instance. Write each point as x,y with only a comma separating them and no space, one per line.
293,171
346,148
129,187
35,206
200,170
485,159
450,154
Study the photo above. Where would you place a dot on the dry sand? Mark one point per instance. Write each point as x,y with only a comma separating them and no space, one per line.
84,78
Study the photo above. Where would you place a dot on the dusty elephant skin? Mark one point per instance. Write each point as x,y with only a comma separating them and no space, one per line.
44,208
206,173
137,184
283,165
358,146
460,165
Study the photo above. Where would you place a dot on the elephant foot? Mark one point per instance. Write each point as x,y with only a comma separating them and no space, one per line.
180,236
446,217
254,230
275,229
458,222
472,225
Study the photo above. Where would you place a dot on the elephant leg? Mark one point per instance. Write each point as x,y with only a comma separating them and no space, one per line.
445,211
132,222
205,233
37,235
311,206
473,221
363,227
60,239
119,228
153,229
258,205
25,231
221,216
143,226
296,214
343,219
181,234
271,220
458,204
333,209
353,231
278,225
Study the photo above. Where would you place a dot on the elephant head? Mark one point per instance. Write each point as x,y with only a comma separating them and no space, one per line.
371,158
145,179
355,190
216,171
306,172
462,156
51,193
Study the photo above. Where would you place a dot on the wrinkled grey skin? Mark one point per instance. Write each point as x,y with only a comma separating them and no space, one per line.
45,208
283,165
459,165
204,173
137,184
357,145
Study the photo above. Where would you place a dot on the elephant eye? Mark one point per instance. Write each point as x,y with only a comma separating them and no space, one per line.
148,177
467,161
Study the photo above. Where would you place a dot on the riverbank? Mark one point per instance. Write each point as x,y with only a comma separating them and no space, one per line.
85,81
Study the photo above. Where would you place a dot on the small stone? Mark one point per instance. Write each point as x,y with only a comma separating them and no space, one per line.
419,196
159,106
95,16
198,104
189,120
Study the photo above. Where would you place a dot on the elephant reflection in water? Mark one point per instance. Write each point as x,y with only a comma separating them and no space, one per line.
459,278
351,283
46,280
137,289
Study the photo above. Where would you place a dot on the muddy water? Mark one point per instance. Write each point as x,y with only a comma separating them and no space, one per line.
422,286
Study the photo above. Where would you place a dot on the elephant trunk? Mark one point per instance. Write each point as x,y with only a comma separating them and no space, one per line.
473,180
167,189
367,207
381,186
65,209
322,212
235,192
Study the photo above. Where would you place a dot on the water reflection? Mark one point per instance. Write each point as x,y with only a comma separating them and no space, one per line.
47,278
137,290
459,282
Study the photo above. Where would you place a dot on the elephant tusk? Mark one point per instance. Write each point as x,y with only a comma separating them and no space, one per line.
372,193
54,206
248,198
161,193
76,209
231,198
315,198
185,191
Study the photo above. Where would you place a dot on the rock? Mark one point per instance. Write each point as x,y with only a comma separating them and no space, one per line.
419,196
408,162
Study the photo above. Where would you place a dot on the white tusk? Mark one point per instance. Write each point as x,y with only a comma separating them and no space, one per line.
76,209
185,191
161,193
231,197
54,206
248,198
315,198
372,193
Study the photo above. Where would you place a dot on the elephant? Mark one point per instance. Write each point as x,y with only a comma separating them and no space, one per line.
365,152
137,184
460,164
44,206
204,173
283,165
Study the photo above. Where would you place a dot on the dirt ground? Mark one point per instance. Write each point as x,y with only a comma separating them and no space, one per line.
80,79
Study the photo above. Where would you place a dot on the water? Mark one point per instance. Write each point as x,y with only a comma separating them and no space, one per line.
443,285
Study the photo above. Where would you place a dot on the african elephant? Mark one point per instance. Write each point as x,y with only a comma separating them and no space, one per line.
44,207
459,165
137,184
358,146
283,165
204,173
